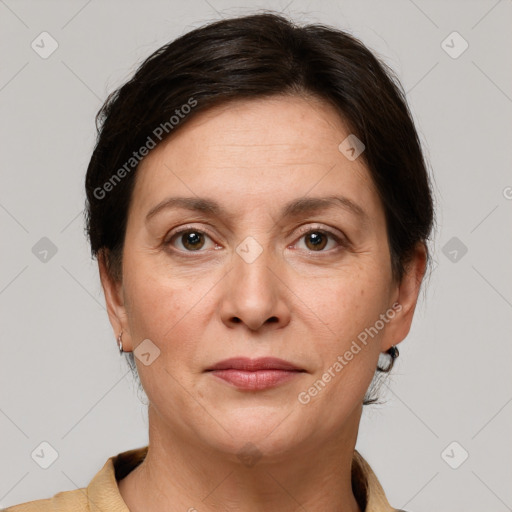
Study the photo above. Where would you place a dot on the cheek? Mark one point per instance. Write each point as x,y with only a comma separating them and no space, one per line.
347,305
162,308
344,304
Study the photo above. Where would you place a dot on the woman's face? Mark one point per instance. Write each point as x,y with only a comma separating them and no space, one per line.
250,266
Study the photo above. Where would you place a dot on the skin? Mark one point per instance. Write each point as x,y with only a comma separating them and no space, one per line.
295,301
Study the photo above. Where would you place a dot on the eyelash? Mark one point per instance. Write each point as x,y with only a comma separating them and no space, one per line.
341,241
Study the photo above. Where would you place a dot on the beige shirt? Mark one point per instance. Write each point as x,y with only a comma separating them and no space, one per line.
102,494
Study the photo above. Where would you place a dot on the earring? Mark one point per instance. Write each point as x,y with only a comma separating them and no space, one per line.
120,342
393,352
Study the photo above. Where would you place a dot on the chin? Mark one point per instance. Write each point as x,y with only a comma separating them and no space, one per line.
253,432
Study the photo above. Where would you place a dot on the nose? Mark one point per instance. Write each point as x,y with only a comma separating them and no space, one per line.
255,295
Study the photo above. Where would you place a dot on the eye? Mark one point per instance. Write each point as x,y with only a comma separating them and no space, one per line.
316,240
196,240
191,240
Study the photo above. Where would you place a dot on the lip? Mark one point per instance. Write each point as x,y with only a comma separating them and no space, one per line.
255,374
252,365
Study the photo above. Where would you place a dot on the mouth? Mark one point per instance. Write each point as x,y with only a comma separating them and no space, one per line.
255,374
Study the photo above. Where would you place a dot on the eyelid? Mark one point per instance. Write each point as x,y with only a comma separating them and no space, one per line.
187,227
339,237
184,229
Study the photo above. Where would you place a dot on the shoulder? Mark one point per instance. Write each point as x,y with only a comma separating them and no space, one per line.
63,501
102,493
366,484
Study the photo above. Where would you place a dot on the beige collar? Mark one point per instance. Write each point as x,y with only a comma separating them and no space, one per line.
103,491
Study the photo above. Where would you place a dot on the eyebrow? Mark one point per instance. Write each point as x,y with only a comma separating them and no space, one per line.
294,208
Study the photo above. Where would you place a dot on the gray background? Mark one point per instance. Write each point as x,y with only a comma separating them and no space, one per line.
62,380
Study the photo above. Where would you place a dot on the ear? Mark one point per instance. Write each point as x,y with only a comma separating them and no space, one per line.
404,298
114,298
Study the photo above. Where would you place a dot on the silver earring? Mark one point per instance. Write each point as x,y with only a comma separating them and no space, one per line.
120,342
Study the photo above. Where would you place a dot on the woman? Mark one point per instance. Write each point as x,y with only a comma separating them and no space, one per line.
260,208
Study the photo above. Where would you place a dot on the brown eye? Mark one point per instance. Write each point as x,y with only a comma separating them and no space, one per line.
190,240
316,240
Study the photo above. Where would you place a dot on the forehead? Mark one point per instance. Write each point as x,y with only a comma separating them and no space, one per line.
275,130
269,149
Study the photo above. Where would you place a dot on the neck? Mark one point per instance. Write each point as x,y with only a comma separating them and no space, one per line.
181,474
